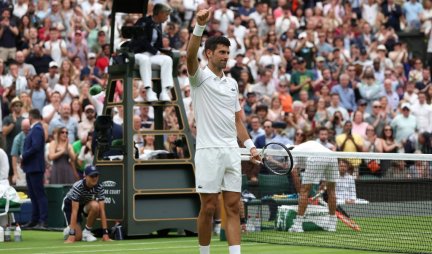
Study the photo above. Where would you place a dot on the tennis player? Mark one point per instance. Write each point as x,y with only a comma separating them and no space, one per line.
218,119
316,170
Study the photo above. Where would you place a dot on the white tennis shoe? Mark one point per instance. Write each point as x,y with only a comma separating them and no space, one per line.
164,96
331,223
150,95
87,236
297,227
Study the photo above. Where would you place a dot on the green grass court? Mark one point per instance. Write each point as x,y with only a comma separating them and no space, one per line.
38,242
390,234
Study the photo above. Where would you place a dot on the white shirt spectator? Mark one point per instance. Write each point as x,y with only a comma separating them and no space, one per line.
56,49
345,189
225,18
370,13
423,114
48,109
20,9
240,32
20,83
73,92
331,110
283,24
94,7
411,98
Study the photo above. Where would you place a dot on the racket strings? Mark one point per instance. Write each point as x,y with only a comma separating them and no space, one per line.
279,163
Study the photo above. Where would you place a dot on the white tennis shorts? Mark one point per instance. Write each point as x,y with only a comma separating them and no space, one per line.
217,169
320,168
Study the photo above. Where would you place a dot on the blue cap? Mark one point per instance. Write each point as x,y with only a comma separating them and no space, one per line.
91,170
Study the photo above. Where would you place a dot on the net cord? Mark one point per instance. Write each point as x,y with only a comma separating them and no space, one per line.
346,155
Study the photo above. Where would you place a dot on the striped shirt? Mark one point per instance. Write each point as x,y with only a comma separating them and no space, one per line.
82,194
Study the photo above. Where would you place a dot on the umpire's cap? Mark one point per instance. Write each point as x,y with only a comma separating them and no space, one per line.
91,170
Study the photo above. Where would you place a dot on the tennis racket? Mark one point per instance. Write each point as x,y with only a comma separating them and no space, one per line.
275,157
340,212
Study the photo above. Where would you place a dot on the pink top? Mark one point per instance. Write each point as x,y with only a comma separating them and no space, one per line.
359,129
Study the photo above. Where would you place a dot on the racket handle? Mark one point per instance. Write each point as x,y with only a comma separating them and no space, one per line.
248,158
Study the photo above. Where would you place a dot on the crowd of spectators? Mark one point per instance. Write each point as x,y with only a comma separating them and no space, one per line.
335,71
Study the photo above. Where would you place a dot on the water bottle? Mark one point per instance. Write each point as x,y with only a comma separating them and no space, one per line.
257,223
250,226
1,234
118,233
17,234
7,234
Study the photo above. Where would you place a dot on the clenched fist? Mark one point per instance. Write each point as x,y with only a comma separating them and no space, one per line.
203,16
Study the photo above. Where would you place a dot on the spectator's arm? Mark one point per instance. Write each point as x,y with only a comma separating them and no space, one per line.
63,48
14,30
8,127
52,153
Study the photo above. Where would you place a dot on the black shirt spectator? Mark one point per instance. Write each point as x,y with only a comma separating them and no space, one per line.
39,59
392,12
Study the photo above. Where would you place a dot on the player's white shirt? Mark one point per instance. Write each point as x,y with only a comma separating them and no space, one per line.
309,146
215,102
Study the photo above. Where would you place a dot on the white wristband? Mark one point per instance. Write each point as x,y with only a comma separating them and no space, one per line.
198,30
249,144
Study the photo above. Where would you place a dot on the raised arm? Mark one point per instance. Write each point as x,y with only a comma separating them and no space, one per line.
202,17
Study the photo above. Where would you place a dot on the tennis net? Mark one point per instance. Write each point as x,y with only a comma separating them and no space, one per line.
384,203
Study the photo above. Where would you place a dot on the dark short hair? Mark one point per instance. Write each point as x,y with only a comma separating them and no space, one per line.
261,107
212,42
322,128
158,8
35,114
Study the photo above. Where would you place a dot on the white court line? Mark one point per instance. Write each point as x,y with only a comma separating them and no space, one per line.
95,245
143,249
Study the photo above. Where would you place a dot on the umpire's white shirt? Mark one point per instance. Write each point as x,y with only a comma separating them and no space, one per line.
215,102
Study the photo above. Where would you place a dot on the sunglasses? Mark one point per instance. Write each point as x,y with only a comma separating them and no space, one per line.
64,132
387,129
266,127
94,176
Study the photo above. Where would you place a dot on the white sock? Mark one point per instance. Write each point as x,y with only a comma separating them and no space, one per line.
204,249
234,249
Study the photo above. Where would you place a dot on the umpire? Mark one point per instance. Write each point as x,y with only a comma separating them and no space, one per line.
86,197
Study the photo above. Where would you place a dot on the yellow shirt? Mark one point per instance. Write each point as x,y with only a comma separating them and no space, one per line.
350,146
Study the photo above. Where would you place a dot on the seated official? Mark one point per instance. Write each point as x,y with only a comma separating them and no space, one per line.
148,49
86,197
